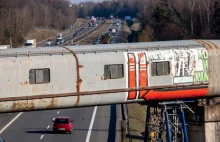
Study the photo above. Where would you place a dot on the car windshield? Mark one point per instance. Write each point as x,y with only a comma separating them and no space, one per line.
58,40
61,121
28,44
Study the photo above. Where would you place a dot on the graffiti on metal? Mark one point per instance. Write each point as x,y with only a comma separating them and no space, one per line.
190,66
202,75
160,55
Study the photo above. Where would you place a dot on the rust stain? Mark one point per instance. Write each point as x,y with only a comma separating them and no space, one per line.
79,80
25,105
165,87
213,44
13,61
103,78
204,43
80,66
24,83
53,103
42,101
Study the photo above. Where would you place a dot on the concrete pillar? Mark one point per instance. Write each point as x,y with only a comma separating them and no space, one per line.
204,126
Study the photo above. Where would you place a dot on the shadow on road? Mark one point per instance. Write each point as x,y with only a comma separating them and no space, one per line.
112,124
44,132
135,137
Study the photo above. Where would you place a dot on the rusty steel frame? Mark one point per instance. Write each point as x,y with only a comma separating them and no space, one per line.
162,88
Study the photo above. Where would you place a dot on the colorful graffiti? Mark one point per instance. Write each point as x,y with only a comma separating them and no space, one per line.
200,76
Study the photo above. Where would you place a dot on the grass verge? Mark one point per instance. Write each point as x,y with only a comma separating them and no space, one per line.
136,118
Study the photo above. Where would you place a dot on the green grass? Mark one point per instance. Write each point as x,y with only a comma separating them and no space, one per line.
136,117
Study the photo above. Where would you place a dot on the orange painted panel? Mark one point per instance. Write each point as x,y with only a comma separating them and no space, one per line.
177,94
142,74
131,75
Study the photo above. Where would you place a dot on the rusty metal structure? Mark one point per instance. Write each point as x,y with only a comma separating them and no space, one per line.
78,76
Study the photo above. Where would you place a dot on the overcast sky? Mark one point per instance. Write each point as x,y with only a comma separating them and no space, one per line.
77,1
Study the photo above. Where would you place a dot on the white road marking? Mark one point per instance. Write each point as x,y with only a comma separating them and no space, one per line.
48,126
58,112
91,124
53,119
42,137
6,126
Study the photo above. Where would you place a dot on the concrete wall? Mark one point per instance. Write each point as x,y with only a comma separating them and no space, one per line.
204,132
204,126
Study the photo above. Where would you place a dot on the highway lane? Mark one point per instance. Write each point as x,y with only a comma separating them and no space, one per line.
107,125
37,125
32,126
70,36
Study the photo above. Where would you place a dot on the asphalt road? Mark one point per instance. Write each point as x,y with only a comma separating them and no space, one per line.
91,124
69,37
37,125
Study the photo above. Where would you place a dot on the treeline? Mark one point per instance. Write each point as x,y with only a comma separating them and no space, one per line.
17,17
164,19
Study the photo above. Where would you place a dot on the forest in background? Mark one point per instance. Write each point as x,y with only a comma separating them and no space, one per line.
160,19
17,17
164,19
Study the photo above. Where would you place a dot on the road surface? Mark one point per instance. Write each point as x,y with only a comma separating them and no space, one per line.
91,124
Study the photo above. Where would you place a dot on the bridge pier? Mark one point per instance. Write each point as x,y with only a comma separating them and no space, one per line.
204,126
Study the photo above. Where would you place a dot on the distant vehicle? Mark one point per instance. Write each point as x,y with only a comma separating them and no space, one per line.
117,24
4,47
74,35
110,30
30,43
106,38
114,31
95,42
59,41
59,36
63,124
48,42
94,25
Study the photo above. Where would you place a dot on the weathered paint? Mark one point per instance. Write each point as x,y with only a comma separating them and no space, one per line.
143,80
213,66
66,87
131,75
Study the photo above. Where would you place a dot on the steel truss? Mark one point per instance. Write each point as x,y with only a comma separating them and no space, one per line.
165,122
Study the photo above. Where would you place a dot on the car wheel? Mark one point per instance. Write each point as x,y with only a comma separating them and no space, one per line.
69,132
55,131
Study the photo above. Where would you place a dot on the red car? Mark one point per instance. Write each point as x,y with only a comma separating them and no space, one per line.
62,124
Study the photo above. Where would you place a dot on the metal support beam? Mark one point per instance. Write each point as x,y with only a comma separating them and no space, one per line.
167,126
184,125
147,132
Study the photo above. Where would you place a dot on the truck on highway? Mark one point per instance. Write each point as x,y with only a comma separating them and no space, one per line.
4,46
106,38
114,31
59,36
30,43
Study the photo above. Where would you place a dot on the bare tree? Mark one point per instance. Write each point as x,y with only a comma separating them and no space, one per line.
191,7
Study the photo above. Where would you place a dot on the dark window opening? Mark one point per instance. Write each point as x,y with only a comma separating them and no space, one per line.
113,71
160,68
39,76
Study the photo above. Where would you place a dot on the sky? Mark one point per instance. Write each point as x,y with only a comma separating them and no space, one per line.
78,1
